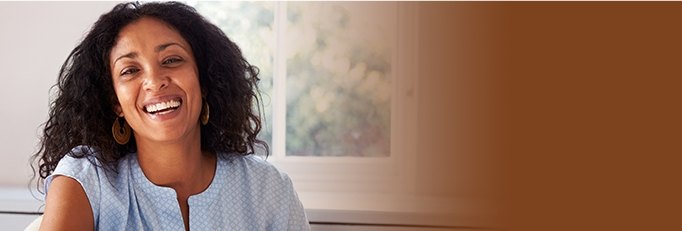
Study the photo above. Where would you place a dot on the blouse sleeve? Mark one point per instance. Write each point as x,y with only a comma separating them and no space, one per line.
85,171
297,218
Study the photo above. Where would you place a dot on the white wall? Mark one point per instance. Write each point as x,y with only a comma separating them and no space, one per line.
35,39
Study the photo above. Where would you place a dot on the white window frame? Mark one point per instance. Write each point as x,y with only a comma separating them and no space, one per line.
357,175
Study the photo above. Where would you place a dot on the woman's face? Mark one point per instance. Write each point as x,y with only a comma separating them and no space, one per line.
156,81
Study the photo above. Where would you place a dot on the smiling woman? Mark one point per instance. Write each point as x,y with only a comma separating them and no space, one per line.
153,128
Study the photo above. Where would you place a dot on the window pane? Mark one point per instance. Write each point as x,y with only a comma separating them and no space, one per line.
251,26
338,59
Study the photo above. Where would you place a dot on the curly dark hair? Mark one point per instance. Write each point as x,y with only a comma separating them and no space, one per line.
83,111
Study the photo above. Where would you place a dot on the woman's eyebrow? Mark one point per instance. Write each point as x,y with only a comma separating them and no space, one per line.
166,45
130,55
159,48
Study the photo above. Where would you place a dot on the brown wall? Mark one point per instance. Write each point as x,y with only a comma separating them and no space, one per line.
575,105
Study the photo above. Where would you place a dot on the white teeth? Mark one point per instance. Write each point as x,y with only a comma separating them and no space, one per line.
162,106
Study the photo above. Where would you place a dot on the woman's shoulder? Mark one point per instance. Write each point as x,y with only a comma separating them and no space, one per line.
251,161
82,164
85,157
252,167
81,159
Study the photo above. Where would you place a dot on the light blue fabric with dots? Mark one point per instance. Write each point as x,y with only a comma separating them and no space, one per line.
247,193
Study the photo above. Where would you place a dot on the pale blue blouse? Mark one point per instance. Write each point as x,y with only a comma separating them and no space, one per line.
247,193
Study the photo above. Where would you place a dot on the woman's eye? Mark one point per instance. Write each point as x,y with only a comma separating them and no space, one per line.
129,71
172,60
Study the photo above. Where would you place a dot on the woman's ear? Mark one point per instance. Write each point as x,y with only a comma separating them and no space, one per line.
118,110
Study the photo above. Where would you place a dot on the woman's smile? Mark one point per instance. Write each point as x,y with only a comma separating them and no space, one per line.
163,108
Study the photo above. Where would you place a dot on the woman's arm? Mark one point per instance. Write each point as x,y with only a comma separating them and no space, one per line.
66,206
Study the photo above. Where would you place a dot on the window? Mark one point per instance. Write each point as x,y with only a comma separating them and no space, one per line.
338,78
337,85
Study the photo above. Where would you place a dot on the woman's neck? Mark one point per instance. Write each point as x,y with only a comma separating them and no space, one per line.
182,166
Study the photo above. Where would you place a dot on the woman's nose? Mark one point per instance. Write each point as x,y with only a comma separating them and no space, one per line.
156,79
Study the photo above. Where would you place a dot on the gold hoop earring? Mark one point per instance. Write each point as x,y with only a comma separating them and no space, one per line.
205,113
121,133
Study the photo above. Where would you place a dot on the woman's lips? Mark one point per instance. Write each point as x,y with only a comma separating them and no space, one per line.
163,107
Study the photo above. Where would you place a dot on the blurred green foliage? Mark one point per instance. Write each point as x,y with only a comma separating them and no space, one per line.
338,71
